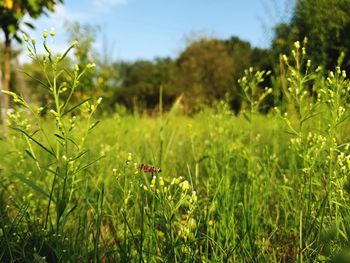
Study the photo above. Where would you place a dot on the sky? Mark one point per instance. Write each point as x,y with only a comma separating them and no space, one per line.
146,29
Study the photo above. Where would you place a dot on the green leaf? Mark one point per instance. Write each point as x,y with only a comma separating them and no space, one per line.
59,136
38,258
88,165
94,125
60,72
30,155
34,186
30,25
67,51
61,207
246,116
12,29
79,155
37,80
76,106
34,140
65,219
73,142
17,38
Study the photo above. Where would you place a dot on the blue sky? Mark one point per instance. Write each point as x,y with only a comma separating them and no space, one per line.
145,29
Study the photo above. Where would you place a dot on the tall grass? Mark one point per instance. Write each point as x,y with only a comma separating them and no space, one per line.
247,188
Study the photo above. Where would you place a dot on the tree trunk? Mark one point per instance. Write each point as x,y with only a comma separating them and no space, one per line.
6,78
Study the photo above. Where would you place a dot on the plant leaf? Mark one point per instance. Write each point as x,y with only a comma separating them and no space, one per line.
30,155
88,165
94,125
38,143
38,80
76,106
32,185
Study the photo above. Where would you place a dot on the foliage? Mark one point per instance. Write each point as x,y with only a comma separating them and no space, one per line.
141,81
326,25
11,15
13,12
55,151
206,71
231,188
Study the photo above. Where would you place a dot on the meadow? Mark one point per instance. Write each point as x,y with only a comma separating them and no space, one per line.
252,187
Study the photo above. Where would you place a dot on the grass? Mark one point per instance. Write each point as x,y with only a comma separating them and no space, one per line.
247,188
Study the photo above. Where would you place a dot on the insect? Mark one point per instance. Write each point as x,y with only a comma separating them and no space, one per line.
147,168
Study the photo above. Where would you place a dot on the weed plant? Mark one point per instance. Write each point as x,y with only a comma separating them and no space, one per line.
246,188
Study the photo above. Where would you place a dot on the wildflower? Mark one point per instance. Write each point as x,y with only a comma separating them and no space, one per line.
192,223
297,44
128,160
173,181
45,33
185,185
25,37
294,54
91,66
52,32
194,196
129,157
161,182
153,182
285,58
308,63
343,74
303,51
338,70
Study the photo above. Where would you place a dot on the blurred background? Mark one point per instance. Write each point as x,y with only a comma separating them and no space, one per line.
193,49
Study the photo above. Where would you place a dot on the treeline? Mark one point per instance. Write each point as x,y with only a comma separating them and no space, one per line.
208,69
205,72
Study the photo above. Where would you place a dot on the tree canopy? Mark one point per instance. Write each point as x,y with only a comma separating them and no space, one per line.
11,18
12,14
326,25
207,69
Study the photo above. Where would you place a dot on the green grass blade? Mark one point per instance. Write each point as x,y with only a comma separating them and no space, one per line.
34,186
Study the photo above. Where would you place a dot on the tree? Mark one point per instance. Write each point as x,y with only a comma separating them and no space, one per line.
326,24
11,16
206,71
141,80
241,53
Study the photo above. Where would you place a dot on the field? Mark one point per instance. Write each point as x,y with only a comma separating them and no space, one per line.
254,187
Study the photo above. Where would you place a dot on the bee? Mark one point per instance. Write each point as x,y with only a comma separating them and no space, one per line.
147,168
